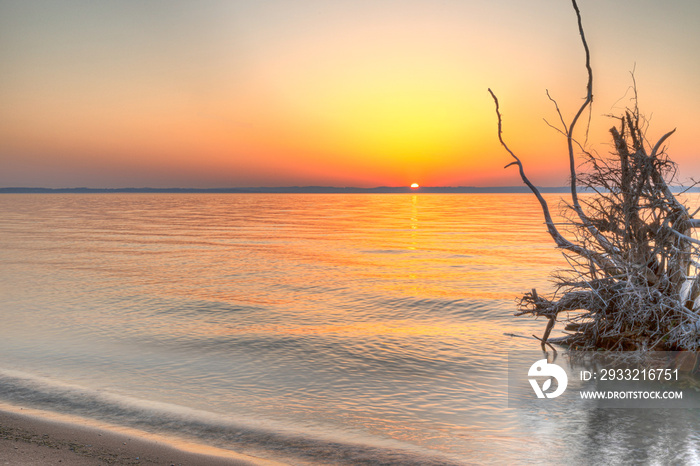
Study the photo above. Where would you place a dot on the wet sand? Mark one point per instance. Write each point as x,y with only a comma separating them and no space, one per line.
29,437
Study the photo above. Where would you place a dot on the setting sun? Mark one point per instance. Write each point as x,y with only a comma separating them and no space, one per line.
415,186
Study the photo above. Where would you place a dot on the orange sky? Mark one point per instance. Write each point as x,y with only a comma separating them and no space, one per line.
342,93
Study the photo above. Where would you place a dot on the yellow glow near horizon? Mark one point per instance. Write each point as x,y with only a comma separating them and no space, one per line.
320,93
415,186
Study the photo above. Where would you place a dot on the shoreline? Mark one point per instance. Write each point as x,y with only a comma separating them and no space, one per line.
35,437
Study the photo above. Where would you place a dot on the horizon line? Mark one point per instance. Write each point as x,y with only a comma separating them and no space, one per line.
285,189
311,190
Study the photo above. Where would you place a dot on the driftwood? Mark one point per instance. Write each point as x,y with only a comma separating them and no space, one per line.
634,257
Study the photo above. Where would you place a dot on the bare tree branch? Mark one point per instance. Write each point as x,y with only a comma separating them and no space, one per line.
633,260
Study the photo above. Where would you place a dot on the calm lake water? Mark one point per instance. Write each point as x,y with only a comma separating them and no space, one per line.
316,329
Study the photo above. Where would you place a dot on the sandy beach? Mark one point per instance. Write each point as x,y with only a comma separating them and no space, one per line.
30,437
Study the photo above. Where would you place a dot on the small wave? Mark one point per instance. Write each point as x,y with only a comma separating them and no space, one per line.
263,438
387,251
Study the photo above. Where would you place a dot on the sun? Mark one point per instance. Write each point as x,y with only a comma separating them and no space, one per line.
415,186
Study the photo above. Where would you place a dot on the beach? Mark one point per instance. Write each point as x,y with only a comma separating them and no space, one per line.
30,437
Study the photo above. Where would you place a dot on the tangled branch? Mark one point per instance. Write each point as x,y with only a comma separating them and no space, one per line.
633,281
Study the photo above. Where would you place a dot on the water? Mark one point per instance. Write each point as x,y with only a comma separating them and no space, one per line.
323,329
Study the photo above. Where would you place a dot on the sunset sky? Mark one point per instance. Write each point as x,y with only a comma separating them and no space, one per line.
225,93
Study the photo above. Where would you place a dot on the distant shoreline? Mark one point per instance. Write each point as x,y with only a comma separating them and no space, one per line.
305,190
289,189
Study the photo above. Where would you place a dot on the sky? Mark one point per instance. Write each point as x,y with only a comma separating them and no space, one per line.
365,93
